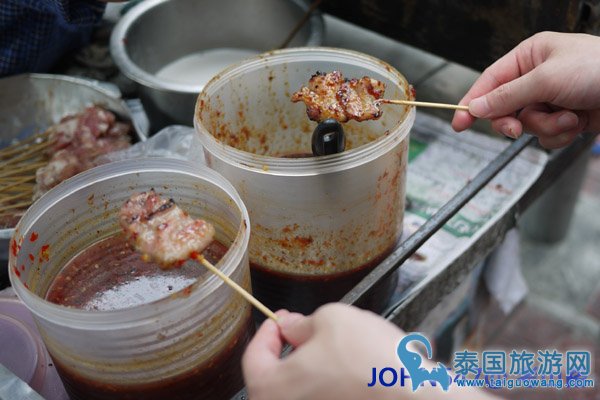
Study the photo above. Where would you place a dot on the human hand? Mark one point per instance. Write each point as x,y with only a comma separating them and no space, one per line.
548,85
335,349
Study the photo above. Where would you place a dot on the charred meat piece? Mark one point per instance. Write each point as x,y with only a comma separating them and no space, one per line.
329,95
320,97
162,231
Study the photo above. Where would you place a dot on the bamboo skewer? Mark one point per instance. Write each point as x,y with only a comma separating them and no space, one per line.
253,300
22,204
25,143
13,186
10,182
18,164
28,139
25,190
20,185
23,168
22,162
27,154
18,196
424,104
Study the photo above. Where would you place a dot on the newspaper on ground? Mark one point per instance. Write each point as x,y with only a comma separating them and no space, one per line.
441,162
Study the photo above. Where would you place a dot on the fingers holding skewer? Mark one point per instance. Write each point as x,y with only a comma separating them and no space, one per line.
330,95
425,104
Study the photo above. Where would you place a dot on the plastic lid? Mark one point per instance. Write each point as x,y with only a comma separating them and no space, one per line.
19,351
23,352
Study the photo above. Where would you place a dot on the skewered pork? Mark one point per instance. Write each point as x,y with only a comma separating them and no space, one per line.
330,95
162,231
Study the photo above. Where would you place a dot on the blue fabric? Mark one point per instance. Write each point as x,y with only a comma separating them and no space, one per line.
35,34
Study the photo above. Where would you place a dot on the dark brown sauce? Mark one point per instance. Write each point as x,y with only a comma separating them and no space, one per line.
305,293
111,270
297,155
218,378
111,275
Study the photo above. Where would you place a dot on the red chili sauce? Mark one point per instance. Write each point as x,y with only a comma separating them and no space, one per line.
110,275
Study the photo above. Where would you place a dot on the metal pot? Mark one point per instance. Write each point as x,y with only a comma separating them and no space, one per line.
156,33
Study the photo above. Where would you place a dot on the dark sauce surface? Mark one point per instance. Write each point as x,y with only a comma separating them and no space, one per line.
111,275
218,378
305,293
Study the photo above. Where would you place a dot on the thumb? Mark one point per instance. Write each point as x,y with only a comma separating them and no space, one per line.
296,329
510,97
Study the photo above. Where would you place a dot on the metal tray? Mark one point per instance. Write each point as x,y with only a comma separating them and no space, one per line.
29,103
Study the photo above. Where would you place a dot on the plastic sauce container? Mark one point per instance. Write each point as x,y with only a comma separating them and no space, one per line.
186,345
319,224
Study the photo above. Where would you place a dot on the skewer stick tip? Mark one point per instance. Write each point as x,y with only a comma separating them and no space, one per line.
253,300
425,104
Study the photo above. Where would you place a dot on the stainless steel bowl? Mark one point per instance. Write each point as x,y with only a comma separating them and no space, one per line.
157,32
29,103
